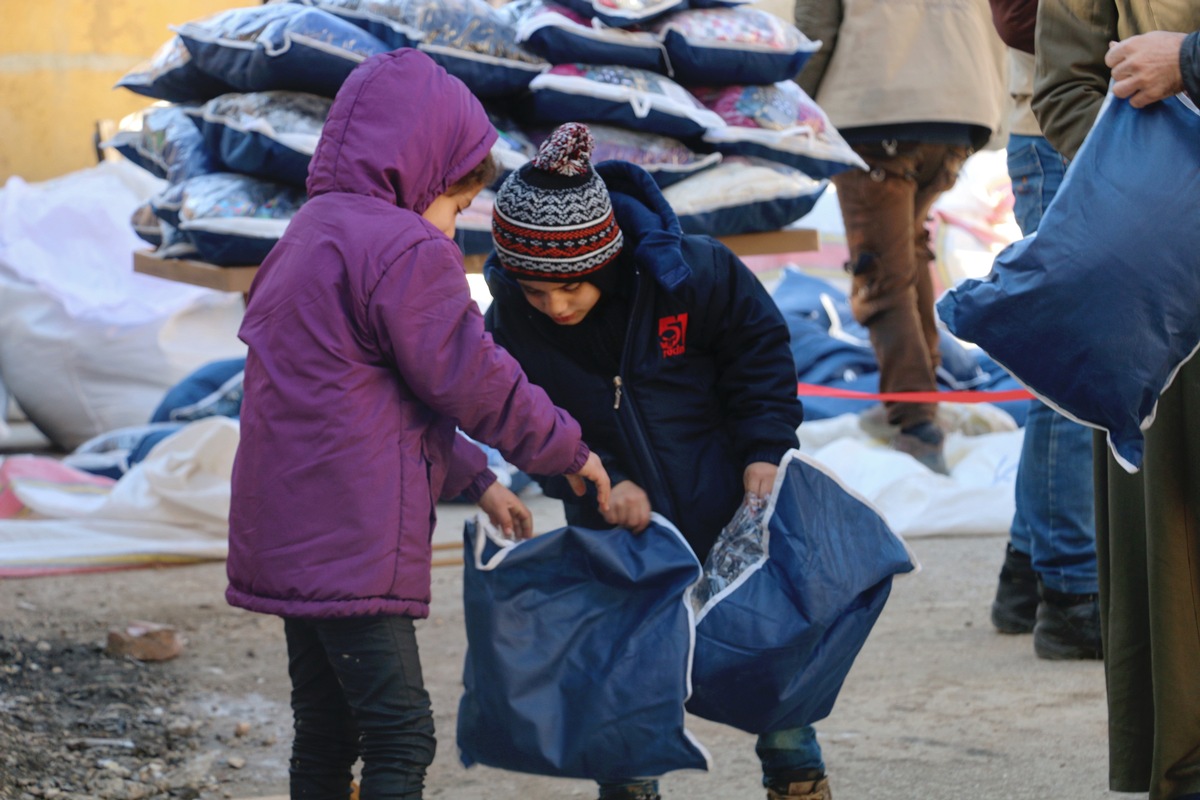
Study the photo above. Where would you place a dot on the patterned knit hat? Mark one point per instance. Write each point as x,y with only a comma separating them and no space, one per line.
552,219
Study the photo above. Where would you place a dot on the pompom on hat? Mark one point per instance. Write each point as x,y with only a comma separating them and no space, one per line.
552,219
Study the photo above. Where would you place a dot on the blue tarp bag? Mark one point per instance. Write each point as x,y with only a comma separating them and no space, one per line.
579,645
1097,311
789,595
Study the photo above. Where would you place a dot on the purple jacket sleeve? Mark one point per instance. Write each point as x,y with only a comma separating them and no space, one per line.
467,471
422,309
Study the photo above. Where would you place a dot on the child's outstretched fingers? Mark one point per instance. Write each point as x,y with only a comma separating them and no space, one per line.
593,471
507,512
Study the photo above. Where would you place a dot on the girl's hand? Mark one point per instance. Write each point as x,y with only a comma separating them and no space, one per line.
759,478
507,512
593,471
1145,68
630,507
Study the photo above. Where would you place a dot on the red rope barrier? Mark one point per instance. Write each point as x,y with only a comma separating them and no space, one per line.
816,390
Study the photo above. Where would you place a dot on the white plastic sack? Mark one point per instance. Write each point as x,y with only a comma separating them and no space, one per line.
86,344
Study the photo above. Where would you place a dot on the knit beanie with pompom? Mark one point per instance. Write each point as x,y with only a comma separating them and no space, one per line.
552,219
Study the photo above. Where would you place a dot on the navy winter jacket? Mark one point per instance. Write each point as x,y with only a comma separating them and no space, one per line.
706,382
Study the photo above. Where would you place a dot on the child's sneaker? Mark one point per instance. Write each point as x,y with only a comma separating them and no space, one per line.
809,784
800,790
641,790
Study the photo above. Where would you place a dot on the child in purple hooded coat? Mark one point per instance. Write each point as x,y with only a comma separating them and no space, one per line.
366,353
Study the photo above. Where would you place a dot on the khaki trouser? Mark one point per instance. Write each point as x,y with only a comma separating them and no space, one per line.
884,211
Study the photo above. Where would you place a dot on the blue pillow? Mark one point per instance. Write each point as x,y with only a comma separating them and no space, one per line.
146,224
1097,311
624,13
215,389
563,36
230,219
743,195
578,649
383,19
114,453
475,44
788,597
171,74
668,160
779,122
731,45
473,230
163,141
620,96
278,46
270,135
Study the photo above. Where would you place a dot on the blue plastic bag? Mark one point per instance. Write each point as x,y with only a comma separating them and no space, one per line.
1098,310
579,644
787,601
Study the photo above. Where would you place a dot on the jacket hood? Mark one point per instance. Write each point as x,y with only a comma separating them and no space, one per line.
647,221
400,129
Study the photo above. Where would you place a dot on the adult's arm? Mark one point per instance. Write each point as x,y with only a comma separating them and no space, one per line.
1189,65
818,20
1071,79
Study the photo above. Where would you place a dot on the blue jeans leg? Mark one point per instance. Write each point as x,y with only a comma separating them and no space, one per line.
789,751
357,691
1054,521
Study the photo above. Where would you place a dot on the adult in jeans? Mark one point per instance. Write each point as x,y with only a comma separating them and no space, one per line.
1048,582
914,87
1147,523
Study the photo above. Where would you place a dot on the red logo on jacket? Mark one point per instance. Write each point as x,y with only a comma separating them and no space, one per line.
672,335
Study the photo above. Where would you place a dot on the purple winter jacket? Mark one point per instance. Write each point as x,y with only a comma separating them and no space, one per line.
365,352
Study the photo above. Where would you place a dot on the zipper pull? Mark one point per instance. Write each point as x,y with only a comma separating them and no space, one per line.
617,394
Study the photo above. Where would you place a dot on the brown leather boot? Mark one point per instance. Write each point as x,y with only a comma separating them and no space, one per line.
802,790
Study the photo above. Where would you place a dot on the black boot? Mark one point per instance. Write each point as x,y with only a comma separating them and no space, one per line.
1015,608
1068,627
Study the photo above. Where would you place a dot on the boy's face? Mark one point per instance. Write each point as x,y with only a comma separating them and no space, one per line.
563,303
444,210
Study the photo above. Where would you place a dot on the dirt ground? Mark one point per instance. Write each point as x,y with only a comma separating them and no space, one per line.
937,706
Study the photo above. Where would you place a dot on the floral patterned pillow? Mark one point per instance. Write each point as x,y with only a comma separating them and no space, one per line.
667,160
270,135
743,195
278,46
779,122
562,36
618,95
718,46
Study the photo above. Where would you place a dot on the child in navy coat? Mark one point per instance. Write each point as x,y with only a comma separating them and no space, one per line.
668,351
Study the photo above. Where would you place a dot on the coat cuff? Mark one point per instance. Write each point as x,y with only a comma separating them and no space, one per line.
1189,65
478,485
581,456
771,455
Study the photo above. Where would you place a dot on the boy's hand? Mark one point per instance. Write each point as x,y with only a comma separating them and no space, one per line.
630,507
593,471
759,478
507,512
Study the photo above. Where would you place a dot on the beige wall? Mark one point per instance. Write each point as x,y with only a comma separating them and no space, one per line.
59,60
